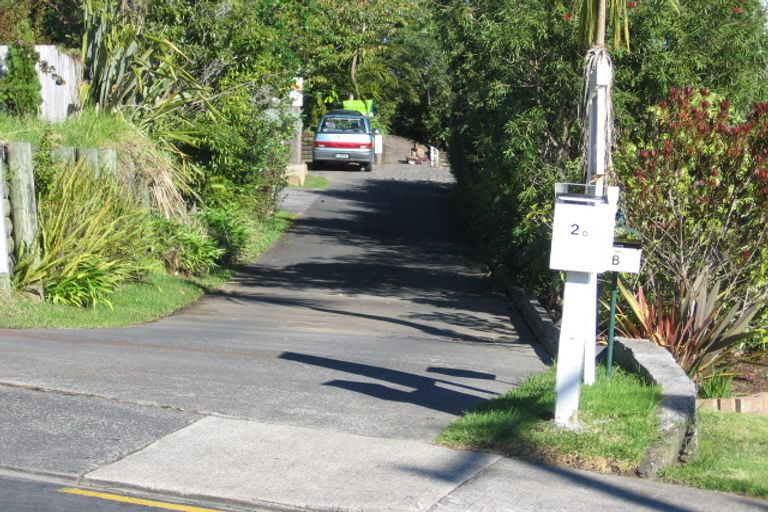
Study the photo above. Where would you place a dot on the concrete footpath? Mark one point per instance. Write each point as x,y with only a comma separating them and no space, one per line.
274,466
316,380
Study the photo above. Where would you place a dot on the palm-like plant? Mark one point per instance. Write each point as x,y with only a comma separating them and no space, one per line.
700,327
141,77
134,72
594,16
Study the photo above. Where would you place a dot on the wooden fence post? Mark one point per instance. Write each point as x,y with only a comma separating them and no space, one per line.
64,155
89,157
23,198
5,229
108,161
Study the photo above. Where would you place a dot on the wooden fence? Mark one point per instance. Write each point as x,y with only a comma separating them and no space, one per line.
18,208
60,78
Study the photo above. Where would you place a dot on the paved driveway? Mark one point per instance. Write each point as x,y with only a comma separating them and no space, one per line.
316,380
369,317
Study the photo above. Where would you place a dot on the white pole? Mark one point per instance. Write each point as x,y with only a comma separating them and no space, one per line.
570,353
378,148
597,110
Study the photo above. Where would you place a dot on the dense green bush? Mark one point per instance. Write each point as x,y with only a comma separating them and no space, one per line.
515,72
184,246
232,227
20,87
247,155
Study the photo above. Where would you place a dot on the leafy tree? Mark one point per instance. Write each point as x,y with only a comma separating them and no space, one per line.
366,49
14,13
359,31
62,22
516,81
20,87
241,51
423,93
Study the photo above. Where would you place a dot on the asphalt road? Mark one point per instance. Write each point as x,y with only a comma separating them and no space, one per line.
371,317
31,494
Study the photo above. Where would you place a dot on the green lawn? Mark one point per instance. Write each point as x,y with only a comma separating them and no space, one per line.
135,303
160,295
617,424
616,416
733,454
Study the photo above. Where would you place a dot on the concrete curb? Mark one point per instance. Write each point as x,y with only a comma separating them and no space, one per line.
676,412
534,315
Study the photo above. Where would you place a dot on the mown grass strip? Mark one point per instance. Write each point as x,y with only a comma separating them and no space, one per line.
733,455
617,424
159,295
316,182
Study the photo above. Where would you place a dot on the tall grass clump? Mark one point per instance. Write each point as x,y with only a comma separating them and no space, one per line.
161,177
184,246
93,237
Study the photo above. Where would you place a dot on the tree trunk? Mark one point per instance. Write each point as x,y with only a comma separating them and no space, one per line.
353,72
601,23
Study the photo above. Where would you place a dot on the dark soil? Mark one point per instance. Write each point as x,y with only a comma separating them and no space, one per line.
751,375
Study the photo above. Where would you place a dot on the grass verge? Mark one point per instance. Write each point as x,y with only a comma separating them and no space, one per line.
89,129
159,295
733,455
617,424
316,182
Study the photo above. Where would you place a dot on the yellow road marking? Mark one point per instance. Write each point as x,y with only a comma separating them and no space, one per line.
134,501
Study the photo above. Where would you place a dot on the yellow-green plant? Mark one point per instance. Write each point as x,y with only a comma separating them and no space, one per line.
184,246
92,237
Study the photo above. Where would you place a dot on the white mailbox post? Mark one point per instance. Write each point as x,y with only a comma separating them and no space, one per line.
582,245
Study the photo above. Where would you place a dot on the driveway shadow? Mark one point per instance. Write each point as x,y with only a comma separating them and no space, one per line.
387,238
450,396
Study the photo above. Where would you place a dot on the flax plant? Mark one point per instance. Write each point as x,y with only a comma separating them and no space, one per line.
92,238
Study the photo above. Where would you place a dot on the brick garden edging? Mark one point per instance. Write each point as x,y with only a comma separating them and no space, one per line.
676,411
751,404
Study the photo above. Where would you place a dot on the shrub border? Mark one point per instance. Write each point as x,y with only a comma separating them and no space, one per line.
678,437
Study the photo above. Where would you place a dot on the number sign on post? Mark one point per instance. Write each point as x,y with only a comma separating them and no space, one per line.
625,259
582,234
582,245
